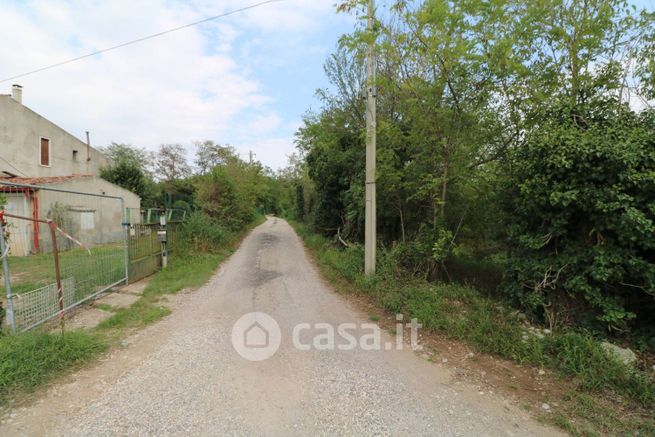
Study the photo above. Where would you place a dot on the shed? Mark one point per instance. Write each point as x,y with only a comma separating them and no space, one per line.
94,218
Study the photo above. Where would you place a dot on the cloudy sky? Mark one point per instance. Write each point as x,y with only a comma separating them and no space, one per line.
245,79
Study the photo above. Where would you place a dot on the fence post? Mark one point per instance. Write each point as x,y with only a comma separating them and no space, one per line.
126,225
4,253
55,253
162,236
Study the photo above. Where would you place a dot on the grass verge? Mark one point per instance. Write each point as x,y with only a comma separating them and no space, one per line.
465,314
33,358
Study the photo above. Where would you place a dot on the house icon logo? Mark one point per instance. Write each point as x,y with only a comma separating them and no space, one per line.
256,336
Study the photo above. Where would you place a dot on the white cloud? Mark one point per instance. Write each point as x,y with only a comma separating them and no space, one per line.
273,151
263,124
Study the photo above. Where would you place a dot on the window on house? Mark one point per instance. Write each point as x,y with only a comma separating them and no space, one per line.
45,152
74,155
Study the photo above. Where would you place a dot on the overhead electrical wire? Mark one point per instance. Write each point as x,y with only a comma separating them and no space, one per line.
154,35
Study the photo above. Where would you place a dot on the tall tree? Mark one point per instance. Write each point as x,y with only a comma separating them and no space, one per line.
171,163
119,152
209,155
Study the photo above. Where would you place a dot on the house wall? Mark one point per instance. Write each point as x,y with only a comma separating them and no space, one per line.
21,130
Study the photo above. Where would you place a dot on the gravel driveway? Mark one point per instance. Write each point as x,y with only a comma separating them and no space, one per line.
182,376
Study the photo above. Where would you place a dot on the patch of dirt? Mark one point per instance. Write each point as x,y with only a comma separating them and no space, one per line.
87,317
117,299
136,287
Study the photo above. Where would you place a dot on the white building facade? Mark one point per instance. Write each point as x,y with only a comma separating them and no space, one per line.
32,146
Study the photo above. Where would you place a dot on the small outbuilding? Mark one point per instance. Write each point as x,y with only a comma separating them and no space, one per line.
93,219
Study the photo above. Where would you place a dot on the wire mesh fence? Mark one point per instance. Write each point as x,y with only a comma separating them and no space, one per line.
91,242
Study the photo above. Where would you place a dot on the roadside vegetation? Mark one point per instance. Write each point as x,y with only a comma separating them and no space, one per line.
31,359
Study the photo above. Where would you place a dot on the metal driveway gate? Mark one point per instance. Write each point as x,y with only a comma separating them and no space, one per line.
64,248
144,250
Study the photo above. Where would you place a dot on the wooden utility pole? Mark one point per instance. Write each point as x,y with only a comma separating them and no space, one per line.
370,218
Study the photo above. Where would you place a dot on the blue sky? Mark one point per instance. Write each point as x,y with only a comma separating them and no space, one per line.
245,80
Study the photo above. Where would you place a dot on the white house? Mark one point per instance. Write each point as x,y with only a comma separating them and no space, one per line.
33,146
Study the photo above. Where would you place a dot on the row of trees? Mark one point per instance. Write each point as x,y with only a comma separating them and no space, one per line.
220,185
518,132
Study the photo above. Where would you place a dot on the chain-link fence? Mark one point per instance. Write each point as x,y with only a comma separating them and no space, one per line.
64,247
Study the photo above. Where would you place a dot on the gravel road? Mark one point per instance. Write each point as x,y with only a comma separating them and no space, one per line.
182,376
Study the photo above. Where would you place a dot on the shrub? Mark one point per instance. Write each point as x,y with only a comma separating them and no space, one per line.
582,216
201,233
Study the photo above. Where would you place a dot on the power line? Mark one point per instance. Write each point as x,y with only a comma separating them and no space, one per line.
154,35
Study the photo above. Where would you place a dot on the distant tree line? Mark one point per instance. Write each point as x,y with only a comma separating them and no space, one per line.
219,185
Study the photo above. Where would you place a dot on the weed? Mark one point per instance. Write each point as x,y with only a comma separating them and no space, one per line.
140,313
564,423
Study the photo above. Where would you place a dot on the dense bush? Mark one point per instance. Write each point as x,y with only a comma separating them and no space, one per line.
219,198
581,210
129,174
233,192
201,233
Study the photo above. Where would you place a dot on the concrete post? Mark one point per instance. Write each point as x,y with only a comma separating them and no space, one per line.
370,234
4,252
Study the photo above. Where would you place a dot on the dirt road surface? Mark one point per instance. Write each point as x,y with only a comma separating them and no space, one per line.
183,376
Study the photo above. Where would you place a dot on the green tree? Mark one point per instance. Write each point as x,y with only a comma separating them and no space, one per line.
209,154
129,175
581,213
